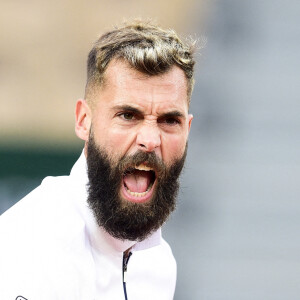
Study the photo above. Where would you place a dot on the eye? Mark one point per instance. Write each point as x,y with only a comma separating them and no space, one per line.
169,121
128,116
172,121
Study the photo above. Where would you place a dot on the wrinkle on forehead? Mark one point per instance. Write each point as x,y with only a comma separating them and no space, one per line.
153,95
117,67
152,103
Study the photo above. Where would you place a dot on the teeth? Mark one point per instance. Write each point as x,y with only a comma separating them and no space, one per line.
136,194
143,167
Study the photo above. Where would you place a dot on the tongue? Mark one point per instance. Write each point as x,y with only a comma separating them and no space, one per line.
138,181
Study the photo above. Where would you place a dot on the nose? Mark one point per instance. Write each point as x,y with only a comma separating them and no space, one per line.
148,138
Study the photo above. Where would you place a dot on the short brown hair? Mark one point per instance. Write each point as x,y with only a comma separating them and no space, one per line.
146,47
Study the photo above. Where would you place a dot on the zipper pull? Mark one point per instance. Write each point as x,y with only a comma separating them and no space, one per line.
125,263
125,275
126,257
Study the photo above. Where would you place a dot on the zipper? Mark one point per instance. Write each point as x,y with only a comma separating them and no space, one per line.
125,263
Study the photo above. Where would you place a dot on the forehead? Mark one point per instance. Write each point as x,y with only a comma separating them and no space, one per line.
123,83
120,66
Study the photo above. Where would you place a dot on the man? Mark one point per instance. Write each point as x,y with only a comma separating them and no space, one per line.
96,233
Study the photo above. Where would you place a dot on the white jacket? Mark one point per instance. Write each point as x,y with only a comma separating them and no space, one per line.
52,249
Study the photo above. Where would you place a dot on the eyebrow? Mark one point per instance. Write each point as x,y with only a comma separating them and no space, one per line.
173,114
128,108
170,114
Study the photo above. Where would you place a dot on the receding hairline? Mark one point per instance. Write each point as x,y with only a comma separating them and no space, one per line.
93,90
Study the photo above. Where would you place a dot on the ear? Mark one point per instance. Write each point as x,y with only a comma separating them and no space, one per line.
82,119
190,118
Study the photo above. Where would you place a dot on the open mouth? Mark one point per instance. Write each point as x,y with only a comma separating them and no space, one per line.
138,183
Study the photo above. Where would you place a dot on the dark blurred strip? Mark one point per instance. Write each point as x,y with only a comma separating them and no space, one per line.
36,163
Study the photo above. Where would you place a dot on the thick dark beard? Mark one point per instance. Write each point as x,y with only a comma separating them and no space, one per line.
123,219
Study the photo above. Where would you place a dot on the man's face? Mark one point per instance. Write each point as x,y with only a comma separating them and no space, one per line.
139,127
137,112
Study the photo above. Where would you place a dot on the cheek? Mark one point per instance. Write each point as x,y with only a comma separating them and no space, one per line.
116,140
173,147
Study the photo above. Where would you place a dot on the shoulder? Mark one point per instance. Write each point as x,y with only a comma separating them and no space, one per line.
49,210
39,235
40,213
34,203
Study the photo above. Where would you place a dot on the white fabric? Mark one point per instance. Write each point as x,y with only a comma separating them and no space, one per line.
52,249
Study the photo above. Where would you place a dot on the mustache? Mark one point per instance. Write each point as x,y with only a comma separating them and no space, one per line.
150,159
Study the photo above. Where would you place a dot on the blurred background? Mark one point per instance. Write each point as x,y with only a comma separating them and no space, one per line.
236,231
